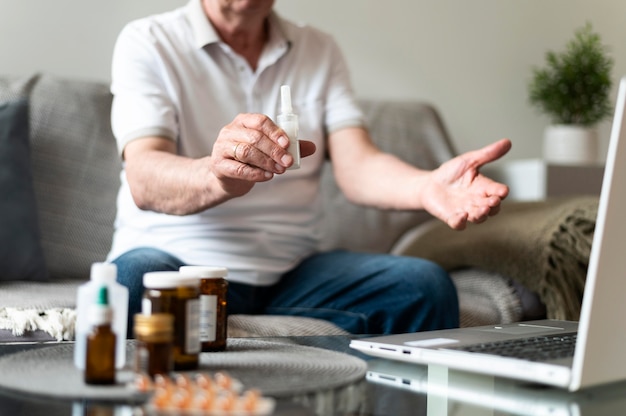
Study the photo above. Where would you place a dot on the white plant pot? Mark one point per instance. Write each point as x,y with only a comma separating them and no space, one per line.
570,145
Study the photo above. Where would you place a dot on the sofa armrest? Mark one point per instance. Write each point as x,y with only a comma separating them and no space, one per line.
544,245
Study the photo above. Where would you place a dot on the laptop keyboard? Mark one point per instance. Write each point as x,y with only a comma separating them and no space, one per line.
539,348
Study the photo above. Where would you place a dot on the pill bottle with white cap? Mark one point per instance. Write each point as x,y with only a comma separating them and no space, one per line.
170,292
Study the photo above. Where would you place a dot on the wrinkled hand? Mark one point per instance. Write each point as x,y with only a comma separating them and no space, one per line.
251,149
458,193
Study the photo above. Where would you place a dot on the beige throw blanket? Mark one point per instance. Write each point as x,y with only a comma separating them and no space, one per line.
543,245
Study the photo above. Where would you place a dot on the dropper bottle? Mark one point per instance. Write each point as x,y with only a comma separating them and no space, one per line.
288,121
100,357
102,274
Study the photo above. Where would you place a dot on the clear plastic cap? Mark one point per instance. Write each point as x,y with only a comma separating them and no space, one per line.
169,280
103,272
203,271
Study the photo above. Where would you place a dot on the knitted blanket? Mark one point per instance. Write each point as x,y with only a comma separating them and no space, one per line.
39,306
543,245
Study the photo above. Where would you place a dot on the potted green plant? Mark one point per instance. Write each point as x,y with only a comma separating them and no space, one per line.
573,91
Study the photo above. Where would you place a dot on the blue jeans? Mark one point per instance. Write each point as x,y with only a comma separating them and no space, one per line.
362,293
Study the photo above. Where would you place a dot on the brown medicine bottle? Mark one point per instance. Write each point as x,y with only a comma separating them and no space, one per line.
213,305
100,343
169,292
154,336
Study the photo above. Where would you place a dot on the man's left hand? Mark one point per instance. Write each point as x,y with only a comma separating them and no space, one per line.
457,193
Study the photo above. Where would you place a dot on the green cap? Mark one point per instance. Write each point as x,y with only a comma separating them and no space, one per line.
100,312
103,296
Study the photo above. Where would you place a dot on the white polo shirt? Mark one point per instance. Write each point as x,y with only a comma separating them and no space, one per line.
173,77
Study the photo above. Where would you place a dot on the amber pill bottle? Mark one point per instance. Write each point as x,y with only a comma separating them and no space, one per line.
154,336
169,292
213,305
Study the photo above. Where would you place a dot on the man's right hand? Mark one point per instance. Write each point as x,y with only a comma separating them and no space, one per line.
250,149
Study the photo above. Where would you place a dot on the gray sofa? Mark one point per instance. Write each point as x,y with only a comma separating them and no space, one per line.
75,176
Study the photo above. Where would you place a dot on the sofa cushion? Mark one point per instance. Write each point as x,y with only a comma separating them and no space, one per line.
279,326
486,298
21,255
75,172
413,131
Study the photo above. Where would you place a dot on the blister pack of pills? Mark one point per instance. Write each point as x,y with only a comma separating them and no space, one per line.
204,394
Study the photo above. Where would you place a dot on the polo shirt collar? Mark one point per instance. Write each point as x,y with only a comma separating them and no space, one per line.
204,33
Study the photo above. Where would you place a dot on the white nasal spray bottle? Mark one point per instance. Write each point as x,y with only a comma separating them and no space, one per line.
288,121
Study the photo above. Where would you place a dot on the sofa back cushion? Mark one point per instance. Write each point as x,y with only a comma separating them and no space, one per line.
413,131
75,172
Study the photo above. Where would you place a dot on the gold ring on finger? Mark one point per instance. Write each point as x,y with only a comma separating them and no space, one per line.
235,151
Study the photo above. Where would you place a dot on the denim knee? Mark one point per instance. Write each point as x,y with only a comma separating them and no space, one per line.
424,298
369,293
438,296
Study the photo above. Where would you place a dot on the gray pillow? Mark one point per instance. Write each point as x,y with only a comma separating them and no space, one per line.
76,171
21,255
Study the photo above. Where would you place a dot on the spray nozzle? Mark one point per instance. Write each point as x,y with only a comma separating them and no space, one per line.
288,121
285,100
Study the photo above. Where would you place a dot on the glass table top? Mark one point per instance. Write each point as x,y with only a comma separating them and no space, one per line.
388,389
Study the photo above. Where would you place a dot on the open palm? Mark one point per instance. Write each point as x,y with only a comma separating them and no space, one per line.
458,193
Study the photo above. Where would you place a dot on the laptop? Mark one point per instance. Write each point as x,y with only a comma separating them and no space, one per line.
599,346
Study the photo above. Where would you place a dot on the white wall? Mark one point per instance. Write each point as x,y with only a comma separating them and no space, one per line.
472,59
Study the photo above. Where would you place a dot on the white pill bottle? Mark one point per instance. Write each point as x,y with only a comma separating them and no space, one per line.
102,274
